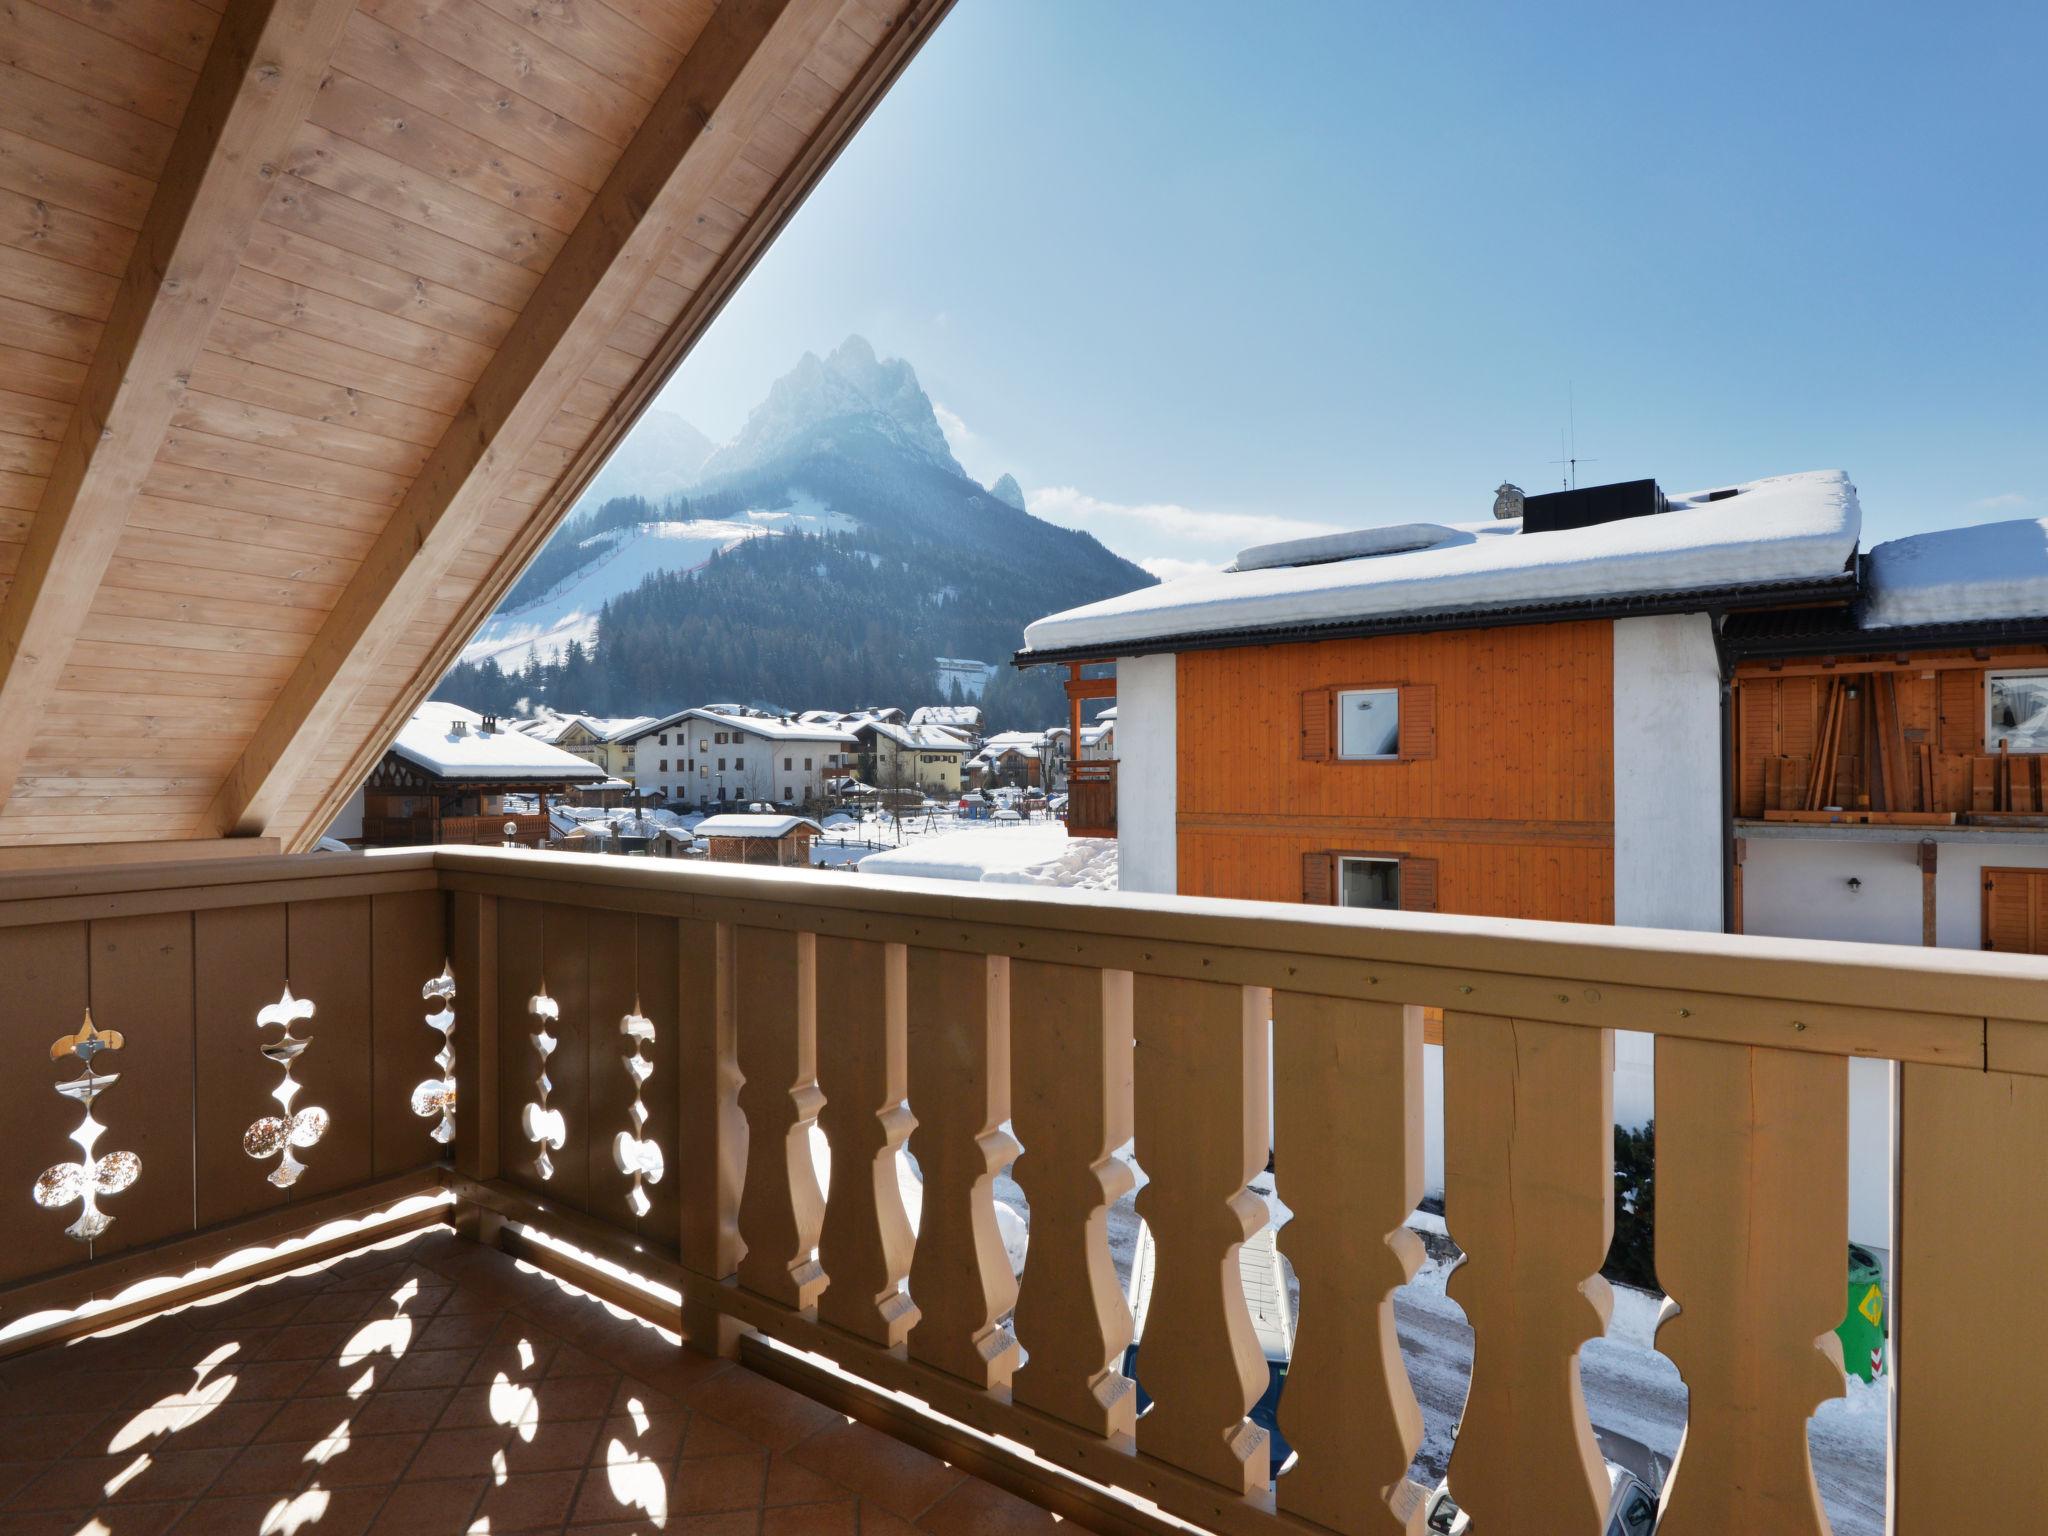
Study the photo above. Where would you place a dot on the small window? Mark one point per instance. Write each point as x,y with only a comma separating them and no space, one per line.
664,765
739,762
721,765
1369,724
788,793
2016,711
807,765
787,764
1369,883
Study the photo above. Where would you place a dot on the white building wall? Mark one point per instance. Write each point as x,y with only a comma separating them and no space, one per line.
1148,774
1667,774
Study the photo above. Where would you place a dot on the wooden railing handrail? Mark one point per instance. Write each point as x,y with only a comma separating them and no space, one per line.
1828,997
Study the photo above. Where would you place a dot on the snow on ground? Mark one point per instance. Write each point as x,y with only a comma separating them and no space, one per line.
1800,527
1991,571
1022,853
568,610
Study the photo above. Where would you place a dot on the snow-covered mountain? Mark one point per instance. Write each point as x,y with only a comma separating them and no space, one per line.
688,583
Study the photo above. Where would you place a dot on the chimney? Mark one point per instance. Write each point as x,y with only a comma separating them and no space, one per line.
490,724
459,727
1590,505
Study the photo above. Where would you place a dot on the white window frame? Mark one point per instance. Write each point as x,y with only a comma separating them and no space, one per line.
1337,746
1993,731
1353,858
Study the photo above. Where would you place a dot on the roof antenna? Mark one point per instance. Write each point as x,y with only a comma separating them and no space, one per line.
1568,460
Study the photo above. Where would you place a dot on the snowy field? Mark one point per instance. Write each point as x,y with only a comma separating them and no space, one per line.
942,845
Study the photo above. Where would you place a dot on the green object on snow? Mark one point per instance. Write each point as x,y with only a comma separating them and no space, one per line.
1863,1331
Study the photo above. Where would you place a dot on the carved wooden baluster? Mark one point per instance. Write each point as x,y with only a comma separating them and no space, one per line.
866,1245
1347,1157
711,1133
1971,1250
1529,1191
781,1207
1201,1119
959,1037
1071,1058
1752,1244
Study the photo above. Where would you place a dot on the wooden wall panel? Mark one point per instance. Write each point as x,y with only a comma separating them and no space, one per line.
1516,803
46,997
519,976
238,969
565,957
613,990
328,952
659,998
142,973
409,945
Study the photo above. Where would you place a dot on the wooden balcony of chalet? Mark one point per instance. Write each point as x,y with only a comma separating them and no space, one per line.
636,1071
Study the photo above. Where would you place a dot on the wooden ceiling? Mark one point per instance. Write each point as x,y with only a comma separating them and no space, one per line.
315,317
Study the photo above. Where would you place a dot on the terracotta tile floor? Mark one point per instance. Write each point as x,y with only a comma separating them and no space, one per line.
434,1387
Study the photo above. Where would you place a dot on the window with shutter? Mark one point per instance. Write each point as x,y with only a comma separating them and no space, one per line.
1418,885
1316,881
1315,725
2016,911
1418,720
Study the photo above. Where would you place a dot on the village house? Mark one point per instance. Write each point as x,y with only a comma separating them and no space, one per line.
606,742
724,754
446,779
1520,717
963,719
1021,760
927,758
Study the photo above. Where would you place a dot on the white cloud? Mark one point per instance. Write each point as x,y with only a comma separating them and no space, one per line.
2007,501
1168,568
958,434
1181,525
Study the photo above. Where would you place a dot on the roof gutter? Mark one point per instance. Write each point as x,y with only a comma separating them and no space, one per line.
1836,589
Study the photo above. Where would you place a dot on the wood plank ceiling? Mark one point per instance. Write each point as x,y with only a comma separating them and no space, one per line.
315,317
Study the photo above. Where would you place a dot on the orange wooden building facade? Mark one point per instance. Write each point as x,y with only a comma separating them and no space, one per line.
1499,803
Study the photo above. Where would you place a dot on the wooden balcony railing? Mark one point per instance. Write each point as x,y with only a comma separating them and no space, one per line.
966,1022
1091,797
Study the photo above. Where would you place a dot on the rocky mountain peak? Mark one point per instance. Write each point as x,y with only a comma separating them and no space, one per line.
1008,492
851,388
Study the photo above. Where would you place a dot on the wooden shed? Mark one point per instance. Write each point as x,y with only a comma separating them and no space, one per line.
744,837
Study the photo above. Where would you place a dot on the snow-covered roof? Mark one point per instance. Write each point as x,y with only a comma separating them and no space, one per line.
770,727
957,715
552,725
1038,853
445,739
751,824
1989,572
919,738
1783,532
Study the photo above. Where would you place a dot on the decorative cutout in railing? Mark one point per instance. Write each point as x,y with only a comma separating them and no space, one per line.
544,1127
436,1096
631,1150
276,1135
87,1179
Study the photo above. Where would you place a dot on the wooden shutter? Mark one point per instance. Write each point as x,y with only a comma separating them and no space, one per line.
2013,911
1962,713
1418,720
1418,884
1318,879
1315,725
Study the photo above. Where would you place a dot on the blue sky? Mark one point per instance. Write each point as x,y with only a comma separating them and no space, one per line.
1199,281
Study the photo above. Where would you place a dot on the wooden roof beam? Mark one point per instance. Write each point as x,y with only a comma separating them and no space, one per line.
725,86
259,79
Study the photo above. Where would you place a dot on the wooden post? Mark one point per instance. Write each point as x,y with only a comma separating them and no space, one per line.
1752,1246
711,1134
865,1244
1073,1062
1929,850
775,1001
959,1039
1529,1189
1972,1248
1347,1158
1202,1134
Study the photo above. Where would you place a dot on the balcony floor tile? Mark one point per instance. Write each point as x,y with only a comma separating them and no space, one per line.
432,1384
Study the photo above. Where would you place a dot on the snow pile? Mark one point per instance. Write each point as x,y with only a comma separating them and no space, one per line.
1393,539
1790,528
1991,571
1036,853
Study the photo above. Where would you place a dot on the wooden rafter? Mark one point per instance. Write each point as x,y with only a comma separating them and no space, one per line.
724,87
259,77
